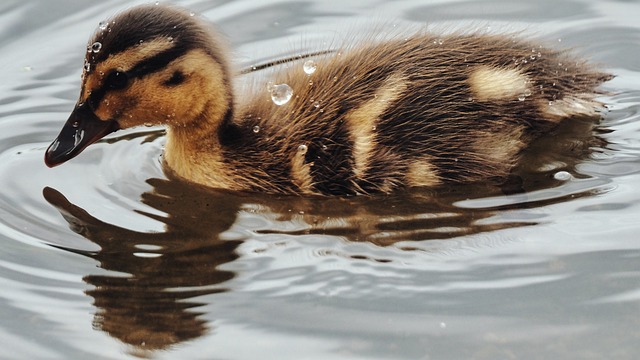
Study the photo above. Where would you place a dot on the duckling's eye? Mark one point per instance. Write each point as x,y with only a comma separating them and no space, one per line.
117,80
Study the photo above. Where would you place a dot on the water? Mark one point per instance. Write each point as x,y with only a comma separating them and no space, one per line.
104,258
281,94
309,67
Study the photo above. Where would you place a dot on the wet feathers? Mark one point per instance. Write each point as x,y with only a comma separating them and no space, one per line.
373,117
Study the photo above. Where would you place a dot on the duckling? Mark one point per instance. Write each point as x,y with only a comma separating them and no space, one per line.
372,118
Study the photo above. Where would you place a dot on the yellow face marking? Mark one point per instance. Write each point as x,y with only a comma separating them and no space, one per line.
148,100
422,173
362,122
494,83
122,61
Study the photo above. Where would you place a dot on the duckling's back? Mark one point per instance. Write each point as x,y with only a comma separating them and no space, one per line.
421,111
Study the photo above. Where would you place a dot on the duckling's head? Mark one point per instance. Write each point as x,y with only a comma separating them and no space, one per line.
149,65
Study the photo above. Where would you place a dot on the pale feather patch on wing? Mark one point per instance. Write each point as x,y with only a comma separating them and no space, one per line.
301,173
574,105
422,173
502,147
494,83
362,121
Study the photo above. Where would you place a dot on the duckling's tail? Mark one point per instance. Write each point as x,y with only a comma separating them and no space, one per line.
581,102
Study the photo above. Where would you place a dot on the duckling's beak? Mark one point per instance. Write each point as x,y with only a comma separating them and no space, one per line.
81,130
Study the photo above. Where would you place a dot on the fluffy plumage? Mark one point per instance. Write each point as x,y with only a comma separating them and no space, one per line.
373,117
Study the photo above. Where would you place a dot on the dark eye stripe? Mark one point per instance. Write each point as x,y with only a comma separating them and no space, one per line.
157,62
141,69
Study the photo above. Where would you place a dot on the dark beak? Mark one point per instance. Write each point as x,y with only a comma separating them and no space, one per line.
81,130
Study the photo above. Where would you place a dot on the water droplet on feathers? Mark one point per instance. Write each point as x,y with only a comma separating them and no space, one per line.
309,67
95,47
281,94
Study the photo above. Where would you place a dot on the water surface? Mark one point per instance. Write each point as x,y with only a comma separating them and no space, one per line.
106,258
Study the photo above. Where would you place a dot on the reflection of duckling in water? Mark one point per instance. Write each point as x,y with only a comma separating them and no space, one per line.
420,111
149,307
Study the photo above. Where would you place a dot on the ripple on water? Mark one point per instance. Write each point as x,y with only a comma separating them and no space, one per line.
104,248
